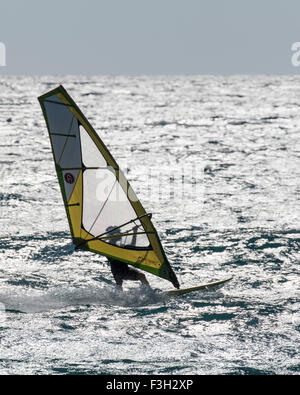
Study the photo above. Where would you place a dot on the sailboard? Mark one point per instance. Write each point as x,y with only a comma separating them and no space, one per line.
202,287
104,214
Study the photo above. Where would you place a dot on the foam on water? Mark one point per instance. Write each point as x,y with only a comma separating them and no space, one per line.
35,301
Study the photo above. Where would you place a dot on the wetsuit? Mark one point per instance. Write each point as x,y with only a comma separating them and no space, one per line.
121,271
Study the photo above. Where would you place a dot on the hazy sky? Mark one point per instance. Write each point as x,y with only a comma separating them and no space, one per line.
149,36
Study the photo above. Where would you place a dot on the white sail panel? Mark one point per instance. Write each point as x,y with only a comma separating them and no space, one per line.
91,156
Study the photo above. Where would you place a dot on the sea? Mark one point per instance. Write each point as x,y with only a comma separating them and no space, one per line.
216,160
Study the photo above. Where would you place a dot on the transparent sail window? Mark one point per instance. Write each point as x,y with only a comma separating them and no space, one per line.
91,156
106,206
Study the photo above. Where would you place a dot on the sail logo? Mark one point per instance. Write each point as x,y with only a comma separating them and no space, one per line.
2,54
295,59
69,178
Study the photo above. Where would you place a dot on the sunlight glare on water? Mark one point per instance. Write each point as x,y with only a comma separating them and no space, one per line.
216,160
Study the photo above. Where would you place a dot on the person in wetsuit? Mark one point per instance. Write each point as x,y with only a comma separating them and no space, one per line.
120,270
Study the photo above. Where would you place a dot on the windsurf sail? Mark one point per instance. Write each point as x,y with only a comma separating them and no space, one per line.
105,216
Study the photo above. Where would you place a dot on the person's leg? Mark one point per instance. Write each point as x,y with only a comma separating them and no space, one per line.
118,270
134,275
118,280
142,279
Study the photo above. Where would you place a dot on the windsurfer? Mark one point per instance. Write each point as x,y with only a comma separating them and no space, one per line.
120,270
